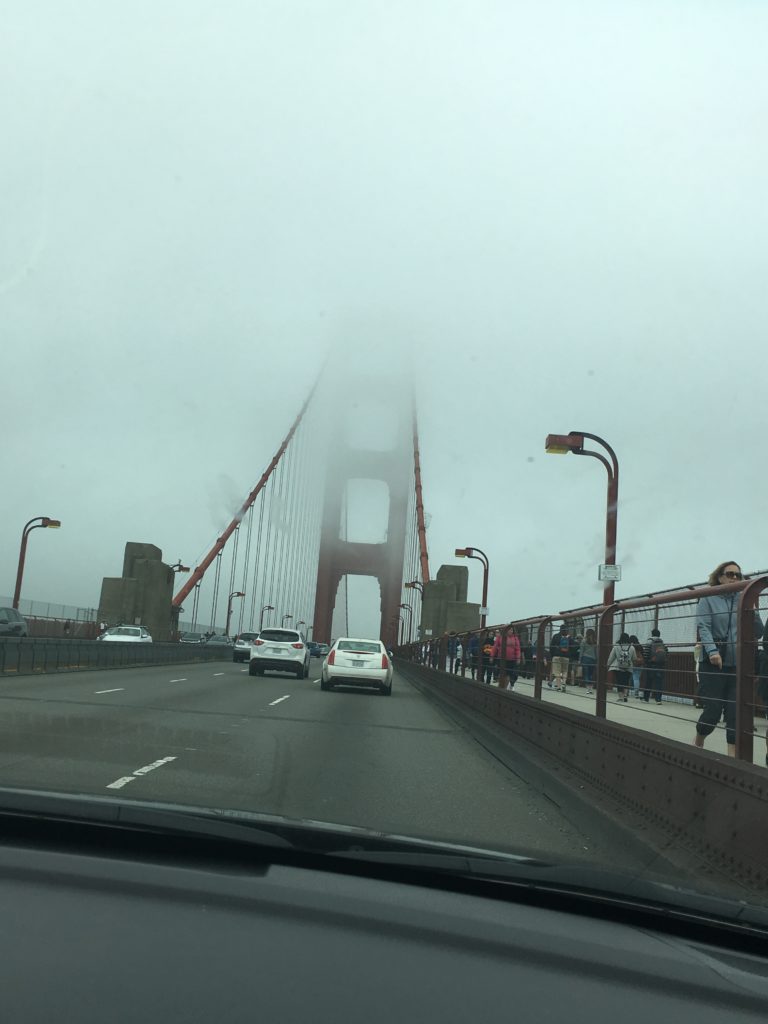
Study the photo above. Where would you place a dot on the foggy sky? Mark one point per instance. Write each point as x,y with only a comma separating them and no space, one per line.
551,214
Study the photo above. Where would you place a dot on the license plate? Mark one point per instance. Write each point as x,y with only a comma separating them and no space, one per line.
359,664
276,650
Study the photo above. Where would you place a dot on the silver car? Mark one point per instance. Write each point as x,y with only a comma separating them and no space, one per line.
279,650
12,623
242,649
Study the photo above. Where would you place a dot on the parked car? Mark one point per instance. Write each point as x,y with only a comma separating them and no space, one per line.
127,634
355,662
12,623
192,638
242,649
279,650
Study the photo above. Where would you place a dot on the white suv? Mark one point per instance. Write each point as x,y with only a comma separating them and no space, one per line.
279,650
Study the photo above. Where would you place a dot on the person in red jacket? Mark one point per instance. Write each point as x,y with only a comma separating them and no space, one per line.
512,654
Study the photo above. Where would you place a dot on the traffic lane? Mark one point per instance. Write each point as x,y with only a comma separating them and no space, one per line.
75,740
283,746
395,764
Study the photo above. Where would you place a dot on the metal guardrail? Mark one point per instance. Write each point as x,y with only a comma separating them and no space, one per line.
676,610
35,655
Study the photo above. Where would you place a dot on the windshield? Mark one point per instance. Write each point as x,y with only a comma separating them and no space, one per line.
299,302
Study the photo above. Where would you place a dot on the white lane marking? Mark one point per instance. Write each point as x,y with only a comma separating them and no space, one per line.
116,690
243,669
218,673
273,702
119,783
316,680
179,680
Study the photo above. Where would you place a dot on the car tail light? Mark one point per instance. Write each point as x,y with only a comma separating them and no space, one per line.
332,658
258,643
299,647
384,661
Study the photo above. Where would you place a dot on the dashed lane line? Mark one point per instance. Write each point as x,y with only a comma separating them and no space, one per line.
119,783
279,699
179,680
117,689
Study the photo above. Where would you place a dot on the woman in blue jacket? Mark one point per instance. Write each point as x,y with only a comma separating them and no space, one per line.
717,620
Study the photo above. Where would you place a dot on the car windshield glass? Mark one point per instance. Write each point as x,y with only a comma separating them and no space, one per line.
298,301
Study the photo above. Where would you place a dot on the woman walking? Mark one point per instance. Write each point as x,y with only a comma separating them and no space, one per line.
511,656
588,659
622,660
717,621
637,667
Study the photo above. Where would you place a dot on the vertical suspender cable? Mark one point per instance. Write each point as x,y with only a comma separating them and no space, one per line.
244,585
252,617
215,598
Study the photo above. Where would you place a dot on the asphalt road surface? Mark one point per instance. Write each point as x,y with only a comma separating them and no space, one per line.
213,736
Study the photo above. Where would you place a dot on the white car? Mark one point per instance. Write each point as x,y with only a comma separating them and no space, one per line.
127,634
354,662
279,650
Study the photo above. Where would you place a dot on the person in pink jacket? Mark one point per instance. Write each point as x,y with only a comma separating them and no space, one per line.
512,654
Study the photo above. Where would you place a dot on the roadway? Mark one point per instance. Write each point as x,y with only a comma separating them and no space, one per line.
211,735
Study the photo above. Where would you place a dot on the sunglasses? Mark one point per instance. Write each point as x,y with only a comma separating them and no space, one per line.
733,575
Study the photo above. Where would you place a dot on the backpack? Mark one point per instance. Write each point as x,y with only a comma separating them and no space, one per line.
658,653
565,643
625,659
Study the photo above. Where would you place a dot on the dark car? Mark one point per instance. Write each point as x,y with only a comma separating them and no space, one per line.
314,649
219,640
12,623
192,638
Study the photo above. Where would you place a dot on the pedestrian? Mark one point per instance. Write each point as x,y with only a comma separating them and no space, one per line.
622,660
511,656
473,651
560,653
588,659
717,620
762,682
655,661
486,673
637,670
459,656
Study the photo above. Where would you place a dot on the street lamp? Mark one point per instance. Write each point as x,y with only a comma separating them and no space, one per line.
284,618
179,567
479,556
401,620
45,523
234,594
407,608
561,444
300,623
415,585
266,608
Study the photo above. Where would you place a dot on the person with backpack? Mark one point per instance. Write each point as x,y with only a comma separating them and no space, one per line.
637,671
655,659
473,654
560,653
621,661
487,663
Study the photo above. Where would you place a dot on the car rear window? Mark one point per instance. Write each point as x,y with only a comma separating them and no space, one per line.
126,631
364,646
282,636
248,636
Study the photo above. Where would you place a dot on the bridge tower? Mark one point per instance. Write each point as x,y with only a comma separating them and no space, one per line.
384,561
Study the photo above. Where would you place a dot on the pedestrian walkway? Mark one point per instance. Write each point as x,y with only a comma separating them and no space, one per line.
671,719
